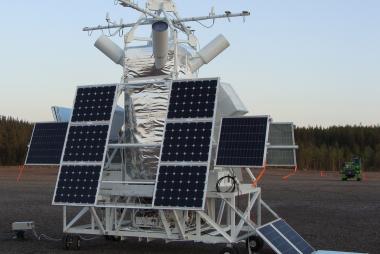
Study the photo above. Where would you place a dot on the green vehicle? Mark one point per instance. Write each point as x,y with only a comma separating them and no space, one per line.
352,169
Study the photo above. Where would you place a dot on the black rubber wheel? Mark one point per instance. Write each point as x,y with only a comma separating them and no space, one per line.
76,243
67,242
255,243
116,238
228,250
20,235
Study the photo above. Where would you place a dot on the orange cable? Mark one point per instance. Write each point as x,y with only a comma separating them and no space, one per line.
290,174
261,174
21,170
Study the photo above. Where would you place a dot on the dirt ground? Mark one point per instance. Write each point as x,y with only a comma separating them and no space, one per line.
327,212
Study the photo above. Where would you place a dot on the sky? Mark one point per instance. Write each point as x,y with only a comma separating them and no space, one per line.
310,62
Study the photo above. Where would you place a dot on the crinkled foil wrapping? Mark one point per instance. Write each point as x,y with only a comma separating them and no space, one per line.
145,109
140,63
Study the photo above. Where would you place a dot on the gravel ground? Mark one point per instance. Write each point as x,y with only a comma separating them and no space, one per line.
327,212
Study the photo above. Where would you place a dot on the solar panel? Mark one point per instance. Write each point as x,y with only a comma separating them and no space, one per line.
242,141
181,186
93,104
192,99
293,237
77,184
187,142
281,134
86,143
284,239
276,240
46,144
85,146
281,157
282,149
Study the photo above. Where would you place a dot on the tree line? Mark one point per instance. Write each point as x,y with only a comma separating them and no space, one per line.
14,139
328,148
319,148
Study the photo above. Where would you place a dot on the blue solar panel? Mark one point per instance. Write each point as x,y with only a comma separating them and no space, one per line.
242,141
86,143
187,142
272,237
85,146
192,99
187,139
77,184
93,104
293,237
181,186
46,144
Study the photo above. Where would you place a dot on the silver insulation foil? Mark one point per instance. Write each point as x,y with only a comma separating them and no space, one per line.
139,63
146,108
145,119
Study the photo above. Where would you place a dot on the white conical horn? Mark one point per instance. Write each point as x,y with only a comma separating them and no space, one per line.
110,49
209,52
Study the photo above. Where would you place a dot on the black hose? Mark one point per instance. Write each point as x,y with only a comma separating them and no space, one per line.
231,189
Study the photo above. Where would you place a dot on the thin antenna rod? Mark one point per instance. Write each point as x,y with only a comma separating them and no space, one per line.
175,21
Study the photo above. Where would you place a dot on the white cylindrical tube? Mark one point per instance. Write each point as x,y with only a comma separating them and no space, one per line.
209,52
160,35
214,48
110,49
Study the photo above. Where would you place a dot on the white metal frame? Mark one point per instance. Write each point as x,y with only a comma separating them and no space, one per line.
217,222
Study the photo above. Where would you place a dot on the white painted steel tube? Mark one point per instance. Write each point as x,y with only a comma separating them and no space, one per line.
160,34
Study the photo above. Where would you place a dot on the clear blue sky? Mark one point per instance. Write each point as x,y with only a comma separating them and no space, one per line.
311,62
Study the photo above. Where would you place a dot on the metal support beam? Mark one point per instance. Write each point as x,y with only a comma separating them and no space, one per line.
76,218
215,225
179,224
165,223
97,220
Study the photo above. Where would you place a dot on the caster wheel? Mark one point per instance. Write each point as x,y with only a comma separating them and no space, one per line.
228,250
20,235
71,242
255,243
76,243
66,241
116,238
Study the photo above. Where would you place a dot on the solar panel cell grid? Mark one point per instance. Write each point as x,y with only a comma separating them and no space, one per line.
47,143
293,237
181,186
277,240
192,99
281,134
284,157
93,104
242,141
186,142
86,143
77,184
